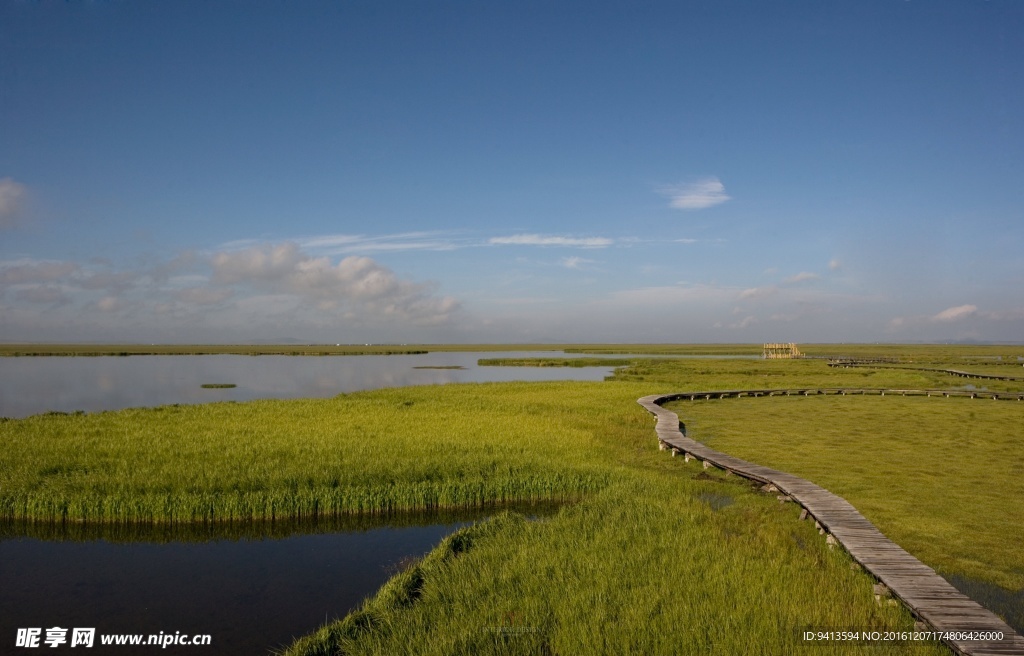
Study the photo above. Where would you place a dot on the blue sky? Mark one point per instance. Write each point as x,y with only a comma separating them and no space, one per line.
489,172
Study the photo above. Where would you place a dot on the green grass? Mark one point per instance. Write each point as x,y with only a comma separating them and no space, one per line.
942,477
642,567
377,452
645,560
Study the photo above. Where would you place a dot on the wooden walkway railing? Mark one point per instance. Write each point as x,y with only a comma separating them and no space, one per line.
929,596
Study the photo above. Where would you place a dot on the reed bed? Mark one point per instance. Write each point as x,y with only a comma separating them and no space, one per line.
642,567
410,449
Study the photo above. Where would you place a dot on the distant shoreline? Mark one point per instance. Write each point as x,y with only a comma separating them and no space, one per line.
909,351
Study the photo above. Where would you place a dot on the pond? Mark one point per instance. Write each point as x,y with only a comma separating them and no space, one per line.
251,589
31,385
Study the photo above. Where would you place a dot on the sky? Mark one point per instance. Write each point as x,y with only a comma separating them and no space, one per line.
484,172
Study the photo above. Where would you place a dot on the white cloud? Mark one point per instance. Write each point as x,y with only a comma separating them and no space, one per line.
576,262
759,292
549,240
744,322
11,195
406,241
955,313
697,195
834,264
30,271
803,276
685,241
353,282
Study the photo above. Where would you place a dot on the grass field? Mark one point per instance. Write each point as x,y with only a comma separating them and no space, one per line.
650,556
942,477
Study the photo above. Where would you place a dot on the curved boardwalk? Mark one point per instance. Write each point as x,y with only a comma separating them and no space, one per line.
869,364
929,596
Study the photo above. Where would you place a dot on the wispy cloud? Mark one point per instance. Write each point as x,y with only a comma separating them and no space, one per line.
31,271
345,244
697,195
11,196
759,292
576,262
342,244
551,240
744,322
956,313
835,264
803,276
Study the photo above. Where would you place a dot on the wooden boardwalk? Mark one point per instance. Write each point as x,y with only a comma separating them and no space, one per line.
929,596
871,364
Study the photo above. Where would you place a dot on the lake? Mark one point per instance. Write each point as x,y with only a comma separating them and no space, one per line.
32,385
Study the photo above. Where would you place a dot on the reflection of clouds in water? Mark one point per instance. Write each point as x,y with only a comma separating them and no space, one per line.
33,385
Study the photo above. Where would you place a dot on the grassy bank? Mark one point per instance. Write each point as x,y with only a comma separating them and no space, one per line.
642,567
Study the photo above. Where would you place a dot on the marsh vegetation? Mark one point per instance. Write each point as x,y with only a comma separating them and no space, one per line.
652,555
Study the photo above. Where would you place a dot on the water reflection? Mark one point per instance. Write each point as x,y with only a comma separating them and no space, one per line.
249,591
162,533
65,384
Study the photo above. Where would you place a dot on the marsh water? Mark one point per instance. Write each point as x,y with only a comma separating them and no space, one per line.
32,385
251,588
249,594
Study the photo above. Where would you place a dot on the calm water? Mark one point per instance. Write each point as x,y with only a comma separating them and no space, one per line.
33,385
252,588
249,594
